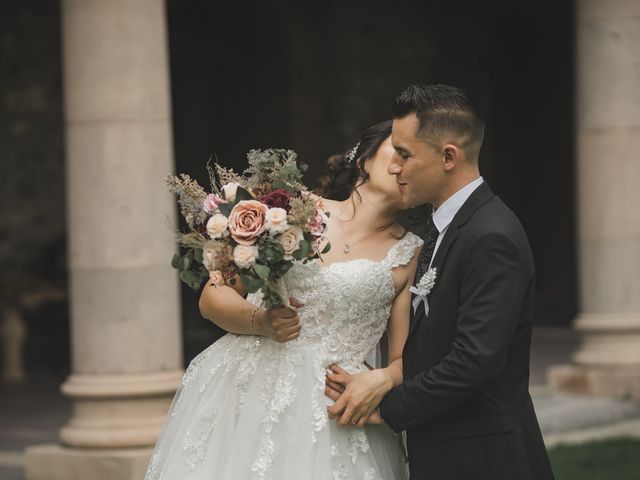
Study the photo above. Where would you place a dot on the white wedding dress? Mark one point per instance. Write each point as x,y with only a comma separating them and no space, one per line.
252,408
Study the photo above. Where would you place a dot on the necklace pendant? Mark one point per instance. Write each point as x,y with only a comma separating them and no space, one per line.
346,247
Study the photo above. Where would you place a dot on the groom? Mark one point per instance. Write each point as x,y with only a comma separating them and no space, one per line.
464,401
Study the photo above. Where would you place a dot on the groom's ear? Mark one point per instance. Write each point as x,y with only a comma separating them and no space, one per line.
451,156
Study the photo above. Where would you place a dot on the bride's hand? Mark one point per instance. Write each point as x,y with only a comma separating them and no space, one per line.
281,324
359,395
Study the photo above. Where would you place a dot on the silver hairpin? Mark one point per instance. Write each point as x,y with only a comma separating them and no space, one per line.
351,155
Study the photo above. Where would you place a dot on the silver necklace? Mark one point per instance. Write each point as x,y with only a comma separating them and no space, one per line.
347,246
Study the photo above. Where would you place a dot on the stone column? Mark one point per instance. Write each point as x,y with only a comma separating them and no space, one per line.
608,175
127,357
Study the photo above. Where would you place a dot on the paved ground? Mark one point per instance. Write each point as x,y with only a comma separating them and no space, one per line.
34,412
29,414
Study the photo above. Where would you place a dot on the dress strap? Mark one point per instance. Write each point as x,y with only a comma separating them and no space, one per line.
403,251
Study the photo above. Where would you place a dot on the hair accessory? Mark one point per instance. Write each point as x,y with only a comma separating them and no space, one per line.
351,155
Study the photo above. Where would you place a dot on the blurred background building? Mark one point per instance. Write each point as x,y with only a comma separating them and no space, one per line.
101,99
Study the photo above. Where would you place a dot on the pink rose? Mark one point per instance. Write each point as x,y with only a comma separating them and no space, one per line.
211,202
246,221
317,223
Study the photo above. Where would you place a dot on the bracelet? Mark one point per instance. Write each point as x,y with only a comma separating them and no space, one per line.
253,314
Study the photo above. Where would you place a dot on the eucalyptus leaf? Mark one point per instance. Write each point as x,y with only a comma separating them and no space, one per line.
225,208
261,270
270,251
191,278
304,247
251,284
176,261
242,194
281,268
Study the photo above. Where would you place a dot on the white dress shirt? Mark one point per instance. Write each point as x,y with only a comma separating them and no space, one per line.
442,218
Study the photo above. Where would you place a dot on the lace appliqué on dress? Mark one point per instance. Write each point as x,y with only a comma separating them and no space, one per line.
194,443
359,444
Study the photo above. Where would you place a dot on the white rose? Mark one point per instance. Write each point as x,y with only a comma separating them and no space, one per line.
217,226
290,240
245,255
276,220
229,191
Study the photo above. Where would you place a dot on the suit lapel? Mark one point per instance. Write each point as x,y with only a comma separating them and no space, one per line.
441,255
479,197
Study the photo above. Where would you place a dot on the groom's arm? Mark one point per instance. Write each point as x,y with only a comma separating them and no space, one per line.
494,282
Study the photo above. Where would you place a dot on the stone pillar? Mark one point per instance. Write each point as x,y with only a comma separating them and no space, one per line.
127,356
608,175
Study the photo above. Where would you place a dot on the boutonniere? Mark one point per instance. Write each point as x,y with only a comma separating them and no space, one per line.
424,287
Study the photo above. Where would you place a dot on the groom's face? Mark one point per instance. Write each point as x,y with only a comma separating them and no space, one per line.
417,165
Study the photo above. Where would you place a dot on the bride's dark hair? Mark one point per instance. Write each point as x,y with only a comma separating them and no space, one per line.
345,171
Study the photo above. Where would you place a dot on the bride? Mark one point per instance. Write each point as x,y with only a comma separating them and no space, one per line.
253,404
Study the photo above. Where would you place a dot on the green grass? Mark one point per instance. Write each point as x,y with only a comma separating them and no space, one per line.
614,459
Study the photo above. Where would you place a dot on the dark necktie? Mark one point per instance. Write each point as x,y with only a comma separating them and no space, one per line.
427,251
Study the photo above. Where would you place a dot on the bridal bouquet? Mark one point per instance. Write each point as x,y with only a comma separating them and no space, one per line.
251,226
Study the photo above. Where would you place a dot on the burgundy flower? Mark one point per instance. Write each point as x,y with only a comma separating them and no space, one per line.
279,198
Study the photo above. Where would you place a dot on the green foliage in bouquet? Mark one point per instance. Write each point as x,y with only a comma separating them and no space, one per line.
276,166
190,267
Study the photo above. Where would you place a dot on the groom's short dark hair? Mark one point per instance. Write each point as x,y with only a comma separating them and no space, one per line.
445,114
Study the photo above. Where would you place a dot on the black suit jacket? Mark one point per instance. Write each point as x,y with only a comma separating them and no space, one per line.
465,400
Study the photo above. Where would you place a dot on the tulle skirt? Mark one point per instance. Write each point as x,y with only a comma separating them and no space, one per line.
251,408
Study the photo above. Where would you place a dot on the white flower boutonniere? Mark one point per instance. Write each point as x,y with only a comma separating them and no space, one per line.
423,288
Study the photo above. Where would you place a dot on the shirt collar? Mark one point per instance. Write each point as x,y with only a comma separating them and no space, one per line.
443,216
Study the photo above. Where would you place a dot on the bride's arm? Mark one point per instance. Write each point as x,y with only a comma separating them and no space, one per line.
398,329
226,307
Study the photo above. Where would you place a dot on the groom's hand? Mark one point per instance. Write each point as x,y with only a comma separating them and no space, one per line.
357,396
281,324
334,390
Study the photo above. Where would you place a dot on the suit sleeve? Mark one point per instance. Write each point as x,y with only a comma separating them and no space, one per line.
494,282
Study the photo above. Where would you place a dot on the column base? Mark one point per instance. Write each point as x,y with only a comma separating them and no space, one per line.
610,381
54,462
607,362
118,411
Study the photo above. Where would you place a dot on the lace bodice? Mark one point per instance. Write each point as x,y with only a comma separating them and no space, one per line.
346,304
